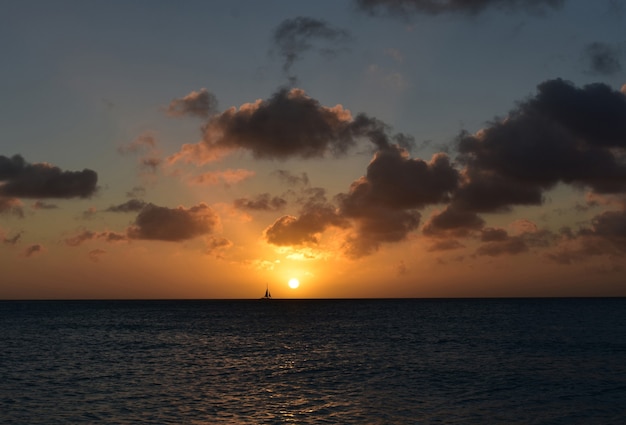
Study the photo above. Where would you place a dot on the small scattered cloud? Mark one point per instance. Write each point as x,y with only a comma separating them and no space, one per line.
136,192
225,177
292,179
133,205
200,104
10,240
262,202
294,37
41,205
89,213
88,235
602,58
144,145
33,250
95,254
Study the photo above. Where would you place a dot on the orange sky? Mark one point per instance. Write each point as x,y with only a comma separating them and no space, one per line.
364,153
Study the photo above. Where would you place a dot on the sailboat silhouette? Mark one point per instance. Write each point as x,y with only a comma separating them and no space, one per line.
267,295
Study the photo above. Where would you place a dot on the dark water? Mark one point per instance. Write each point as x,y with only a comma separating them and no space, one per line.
550,361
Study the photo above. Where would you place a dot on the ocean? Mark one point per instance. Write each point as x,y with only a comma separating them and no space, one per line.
417,361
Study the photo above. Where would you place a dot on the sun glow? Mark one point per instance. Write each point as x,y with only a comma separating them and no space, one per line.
294,283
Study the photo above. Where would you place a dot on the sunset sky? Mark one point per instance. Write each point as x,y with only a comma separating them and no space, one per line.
368,148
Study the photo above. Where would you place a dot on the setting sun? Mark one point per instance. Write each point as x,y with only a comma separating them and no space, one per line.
294,283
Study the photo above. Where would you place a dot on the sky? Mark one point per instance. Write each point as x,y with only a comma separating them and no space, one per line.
367,148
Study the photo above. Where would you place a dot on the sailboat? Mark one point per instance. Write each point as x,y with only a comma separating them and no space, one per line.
267,295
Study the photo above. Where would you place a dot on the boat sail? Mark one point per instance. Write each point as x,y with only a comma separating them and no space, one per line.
267,295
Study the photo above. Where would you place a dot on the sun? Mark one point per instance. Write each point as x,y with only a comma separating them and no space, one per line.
294,283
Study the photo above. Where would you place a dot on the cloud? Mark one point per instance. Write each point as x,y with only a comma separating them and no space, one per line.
136,192
19,179
40,205
11,206
404,8
394,180
606,235
133,205
563,134
199,104
89,213
217,246
292,179
383,203
315,216
262,202
293,37
227,177
173,224
88,235
10,241
94,255
289,124
445,245
33,250
602,58
144,145
144,142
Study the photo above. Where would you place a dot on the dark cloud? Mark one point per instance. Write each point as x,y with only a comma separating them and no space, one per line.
404,8
199,104
452,222
602,58
293,37
382,203
263,202
19,179
133,205
563,134
289,124
173,224
396,181
377,226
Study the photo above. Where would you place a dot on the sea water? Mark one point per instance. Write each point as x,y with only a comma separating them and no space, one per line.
490,361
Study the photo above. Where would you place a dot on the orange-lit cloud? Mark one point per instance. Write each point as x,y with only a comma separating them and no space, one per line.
12,206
